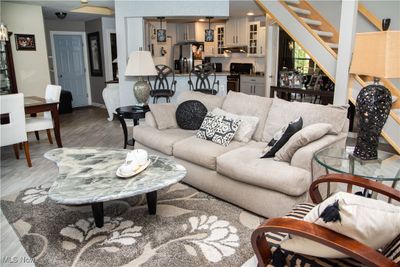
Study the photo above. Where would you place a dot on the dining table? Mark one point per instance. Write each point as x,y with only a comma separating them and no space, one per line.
35,104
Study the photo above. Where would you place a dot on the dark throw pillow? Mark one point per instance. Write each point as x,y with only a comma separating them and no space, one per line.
281,137
218,129
190,114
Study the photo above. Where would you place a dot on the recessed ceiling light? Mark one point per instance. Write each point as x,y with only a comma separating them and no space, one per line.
250,14
202,20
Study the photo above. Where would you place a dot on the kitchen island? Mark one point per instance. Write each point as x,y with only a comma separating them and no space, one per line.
183,85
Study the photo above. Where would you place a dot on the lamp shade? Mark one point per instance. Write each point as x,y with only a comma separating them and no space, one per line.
377,54
140,63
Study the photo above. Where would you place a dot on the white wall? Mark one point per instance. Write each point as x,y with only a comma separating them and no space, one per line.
31,67
129,26
108,26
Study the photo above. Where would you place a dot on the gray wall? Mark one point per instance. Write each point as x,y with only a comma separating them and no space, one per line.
96,82
59,25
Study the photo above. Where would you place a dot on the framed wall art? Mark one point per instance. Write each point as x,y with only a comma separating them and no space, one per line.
25,42
96,68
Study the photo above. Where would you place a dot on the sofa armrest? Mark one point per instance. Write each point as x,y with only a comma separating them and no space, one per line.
303,157
149,120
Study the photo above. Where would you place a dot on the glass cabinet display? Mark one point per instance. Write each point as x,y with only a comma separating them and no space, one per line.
8,83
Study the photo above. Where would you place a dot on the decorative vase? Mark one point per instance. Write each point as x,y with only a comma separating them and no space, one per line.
141,90
373,106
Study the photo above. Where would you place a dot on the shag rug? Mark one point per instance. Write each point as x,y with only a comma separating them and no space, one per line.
191,228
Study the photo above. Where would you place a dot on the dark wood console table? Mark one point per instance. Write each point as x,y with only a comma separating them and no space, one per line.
285,93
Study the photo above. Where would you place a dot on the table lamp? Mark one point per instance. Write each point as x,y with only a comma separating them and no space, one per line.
375,54
141,64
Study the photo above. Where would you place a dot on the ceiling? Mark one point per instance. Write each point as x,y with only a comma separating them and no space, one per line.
237,8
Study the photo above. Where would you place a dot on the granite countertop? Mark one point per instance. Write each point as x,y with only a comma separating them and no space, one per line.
224,73
253,75
88,175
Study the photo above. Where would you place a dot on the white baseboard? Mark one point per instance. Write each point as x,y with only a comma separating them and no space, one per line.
98,105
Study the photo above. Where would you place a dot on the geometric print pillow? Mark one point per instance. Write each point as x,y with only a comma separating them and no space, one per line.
218,129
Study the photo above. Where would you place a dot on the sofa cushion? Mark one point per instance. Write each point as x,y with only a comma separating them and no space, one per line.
303,137
164,114
282,112
244,165
210,101
247,127
202,152
249,105
160,140
281,137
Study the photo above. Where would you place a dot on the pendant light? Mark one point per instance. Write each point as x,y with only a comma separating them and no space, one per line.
209,33
161,33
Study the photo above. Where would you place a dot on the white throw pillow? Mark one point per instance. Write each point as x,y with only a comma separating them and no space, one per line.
247,127
301,138
369,221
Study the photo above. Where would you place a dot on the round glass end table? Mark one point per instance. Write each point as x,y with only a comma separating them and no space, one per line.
341,160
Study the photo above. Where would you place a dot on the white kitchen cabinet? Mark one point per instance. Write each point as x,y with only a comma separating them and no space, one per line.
252,85
262,41
185,32
236,32
253,34
219,39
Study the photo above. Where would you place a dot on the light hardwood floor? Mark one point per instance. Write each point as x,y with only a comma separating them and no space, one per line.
84,127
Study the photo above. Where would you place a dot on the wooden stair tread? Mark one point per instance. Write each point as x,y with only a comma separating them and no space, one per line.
293,2
312,22
300,10
333,45
324,34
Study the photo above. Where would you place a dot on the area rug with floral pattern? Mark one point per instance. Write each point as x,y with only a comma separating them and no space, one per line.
190,228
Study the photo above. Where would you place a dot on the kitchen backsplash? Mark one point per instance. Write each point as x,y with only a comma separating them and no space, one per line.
258,62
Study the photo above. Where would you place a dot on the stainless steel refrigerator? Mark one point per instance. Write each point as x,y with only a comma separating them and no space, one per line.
186,55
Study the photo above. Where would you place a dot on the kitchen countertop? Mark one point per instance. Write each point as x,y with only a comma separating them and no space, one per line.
224,73
253,75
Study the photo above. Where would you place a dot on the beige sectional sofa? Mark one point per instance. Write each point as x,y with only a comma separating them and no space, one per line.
236,173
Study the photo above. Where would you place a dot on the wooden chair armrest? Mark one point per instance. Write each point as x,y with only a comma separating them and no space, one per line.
322,235
352,180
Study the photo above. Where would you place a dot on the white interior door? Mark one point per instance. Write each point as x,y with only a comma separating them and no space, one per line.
71,67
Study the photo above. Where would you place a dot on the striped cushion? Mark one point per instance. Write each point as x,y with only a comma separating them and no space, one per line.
392,250
293,259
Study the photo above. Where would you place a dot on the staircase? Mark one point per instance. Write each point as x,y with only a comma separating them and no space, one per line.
303,22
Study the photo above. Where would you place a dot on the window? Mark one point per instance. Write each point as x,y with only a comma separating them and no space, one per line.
301,60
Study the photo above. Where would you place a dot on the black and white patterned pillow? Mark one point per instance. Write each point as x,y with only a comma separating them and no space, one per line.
218,129
281,137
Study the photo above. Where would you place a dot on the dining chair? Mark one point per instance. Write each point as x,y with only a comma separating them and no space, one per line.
36,124
203,79
13,131
162,87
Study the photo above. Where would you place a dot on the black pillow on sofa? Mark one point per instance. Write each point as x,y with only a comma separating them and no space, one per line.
280,138
190,114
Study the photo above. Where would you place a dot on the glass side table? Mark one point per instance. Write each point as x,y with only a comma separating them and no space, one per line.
341,160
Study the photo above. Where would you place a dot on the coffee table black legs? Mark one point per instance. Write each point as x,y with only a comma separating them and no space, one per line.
98,214
152,202
98,211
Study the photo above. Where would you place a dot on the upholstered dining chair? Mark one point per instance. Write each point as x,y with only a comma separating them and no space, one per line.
161,86
13,131
36,124
266,239
203,79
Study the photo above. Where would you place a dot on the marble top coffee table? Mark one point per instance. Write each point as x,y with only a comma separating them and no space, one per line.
87,176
